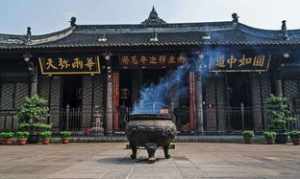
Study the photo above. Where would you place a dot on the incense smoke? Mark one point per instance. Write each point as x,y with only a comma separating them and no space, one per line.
156,96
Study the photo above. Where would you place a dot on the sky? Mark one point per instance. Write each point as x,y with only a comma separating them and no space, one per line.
45,16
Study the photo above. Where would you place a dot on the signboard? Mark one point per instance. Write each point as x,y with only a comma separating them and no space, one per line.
70,66
151,60
257,63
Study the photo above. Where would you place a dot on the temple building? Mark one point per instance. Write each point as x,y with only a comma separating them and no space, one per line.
100,70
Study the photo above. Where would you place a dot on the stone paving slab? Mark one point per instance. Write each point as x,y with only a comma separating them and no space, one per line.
111,161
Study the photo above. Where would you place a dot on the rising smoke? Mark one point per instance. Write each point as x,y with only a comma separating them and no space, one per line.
156,96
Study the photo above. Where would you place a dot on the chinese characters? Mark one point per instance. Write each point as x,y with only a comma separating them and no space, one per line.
244,63
152,60
76,65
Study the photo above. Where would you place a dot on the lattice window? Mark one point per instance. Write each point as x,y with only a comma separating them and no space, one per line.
7,96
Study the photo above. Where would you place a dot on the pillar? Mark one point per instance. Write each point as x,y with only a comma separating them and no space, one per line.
34,83
199,97
278,88
116,100
109,102
192,101
256,90
211,104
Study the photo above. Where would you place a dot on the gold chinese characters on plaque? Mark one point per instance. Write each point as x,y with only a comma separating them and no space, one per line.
151,60
258,63
70,66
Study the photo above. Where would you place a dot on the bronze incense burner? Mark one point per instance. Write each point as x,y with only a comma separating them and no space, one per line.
150,131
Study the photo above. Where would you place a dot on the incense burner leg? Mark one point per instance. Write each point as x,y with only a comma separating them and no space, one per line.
134,151
151,148
166,151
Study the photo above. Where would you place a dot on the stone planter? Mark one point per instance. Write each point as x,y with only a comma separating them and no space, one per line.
33,138
22,141
65,141
281,137
248,140
45,141
150,131
7,141
296,140
269,141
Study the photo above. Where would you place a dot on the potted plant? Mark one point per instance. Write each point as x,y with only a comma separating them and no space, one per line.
279,114
45,136
270,137
6,137
248,135
295,137
22,137
65,136
32,115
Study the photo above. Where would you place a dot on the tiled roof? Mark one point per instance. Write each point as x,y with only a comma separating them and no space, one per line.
163,34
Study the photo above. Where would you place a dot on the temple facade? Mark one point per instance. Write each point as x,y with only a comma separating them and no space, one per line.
100,70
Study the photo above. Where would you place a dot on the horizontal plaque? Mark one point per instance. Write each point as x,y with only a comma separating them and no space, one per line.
69,66
257,63
151,60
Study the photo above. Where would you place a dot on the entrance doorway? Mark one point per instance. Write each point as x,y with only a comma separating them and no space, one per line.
71,103
239,111
133,80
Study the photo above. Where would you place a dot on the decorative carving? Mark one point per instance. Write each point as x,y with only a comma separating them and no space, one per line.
284,30
153,18
235,18
28,34
73,21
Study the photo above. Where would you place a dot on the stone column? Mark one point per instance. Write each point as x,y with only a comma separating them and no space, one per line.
256,90
33,73
109,102
192,101
210,98
278,87
34,83
199,99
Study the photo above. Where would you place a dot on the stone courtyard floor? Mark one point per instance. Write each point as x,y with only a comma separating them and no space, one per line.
111,161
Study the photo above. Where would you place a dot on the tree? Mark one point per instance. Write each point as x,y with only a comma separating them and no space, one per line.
33,110
279,113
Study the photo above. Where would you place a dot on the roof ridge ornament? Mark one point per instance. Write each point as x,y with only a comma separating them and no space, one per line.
73,21
153,18
235,18
28,35
284,30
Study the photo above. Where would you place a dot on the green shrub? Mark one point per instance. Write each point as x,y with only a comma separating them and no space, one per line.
248,134
278,112
24,127
22,135
46,134
41,127
33,110
294,134
65,134
270,135
6,135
